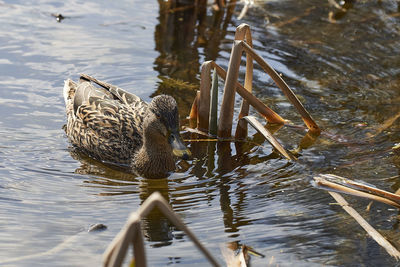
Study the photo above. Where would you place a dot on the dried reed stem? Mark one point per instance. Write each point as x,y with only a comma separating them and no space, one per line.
213,122
204,103
243,33
228,100
131,233
341,184
367,227
270,115
270,138
283,86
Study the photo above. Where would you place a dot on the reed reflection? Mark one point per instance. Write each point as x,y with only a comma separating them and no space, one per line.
222,161
184,29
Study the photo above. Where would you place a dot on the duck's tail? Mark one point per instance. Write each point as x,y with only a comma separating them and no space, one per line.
69,93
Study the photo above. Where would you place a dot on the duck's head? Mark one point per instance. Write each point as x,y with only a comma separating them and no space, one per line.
162,126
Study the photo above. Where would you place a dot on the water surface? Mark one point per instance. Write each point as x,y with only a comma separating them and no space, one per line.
344,67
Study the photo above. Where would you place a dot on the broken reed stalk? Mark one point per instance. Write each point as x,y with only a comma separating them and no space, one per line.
194,111
347,186
204,101
270,138
308,120
270,115
226,113
242,43
132,233
243,33
367,227
228,99
375,191
213,124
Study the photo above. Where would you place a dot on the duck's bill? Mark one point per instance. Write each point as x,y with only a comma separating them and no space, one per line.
178,147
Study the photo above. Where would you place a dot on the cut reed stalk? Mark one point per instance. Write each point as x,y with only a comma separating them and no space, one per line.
226,113
204,103
308,120
243,33
132,233
367,227
270,115
270,138
213,124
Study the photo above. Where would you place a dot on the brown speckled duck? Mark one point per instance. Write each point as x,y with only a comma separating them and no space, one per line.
114,126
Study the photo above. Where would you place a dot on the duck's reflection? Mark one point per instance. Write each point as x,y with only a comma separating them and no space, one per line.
156,227
104,174
117,181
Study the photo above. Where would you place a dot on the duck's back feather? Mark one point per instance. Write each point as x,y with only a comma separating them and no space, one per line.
117,93
106,124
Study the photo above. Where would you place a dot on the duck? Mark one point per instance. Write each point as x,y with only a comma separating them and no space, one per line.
114,126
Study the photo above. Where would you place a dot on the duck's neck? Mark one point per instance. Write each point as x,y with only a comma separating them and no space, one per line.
153,162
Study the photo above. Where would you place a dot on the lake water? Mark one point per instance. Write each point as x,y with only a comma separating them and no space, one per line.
343,64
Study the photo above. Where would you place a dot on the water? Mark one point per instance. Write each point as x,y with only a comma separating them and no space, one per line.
347,74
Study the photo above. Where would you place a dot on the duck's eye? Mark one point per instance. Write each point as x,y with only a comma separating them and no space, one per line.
171,138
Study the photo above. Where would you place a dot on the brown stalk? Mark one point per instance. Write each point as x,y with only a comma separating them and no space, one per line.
132,233
375,191
194,111
343,189
283,86
367,227
270,138
243,33
228,99
270,115
356,186
204,103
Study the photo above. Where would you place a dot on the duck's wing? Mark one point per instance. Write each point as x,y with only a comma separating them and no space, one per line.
125,97
76,95
99,109
85,90
101,123
101,102
106,129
